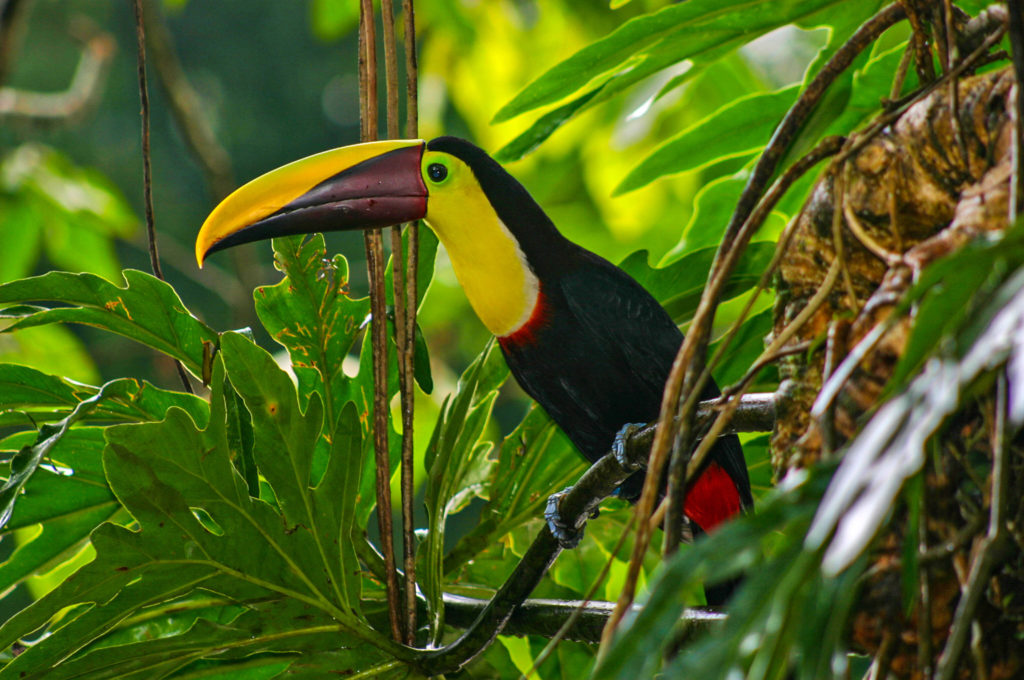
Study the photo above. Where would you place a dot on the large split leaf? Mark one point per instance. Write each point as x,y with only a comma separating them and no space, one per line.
146,310
198,527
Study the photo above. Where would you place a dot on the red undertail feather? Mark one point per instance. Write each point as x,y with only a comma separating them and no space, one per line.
713,498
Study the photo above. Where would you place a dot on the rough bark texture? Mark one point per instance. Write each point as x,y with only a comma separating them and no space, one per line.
920,189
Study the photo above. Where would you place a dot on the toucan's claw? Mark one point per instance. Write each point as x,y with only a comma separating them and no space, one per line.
619,445
567,535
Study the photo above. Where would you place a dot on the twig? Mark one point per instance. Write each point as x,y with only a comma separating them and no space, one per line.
403,343
919,40
954,85
992,546
924,612
147,169
12,13
408,357
682,379
52,108
378,325
186,108
1016,26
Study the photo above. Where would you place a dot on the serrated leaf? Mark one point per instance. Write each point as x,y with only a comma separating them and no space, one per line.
145,309
733,131
262,557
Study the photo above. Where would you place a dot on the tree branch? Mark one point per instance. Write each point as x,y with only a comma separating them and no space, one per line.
67,106
577,506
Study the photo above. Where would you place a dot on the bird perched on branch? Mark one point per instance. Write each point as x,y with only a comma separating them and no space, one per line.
583,338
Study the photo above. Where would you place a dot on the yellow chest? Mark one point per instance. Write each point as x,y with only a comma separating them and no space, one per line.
487,260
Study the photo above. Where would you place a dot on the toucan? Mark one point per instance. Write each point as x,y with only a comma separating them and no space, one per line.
581,336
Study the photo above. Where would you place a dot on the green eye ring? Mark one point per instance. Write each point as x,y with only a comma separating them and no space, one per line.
437,172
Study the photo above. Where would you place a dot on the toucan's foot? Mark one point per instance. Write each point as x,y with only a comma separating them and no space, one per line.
568,536
619,445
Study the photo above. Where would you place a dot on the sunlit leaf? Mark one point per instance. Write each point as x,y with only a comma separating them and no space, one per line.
281,567
700,25
146,309
735,130
678,286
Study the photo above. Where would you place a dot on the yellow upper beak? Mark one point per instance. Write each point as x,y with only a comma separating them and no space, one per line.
361,186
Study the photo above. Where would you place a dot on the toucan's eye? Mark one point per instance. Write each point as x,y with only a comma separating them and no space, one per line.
437,172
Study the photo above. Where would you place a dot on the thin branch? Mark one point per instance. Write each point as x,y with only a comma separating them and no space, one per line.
402,339
12,14
1016,27
378,325
924,611
408,357
682,380
147,168
66,106
186,108
580,620
577,506
993,546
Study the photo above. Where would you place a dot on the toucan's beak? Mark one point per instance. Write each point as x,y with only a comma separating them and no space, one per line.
376,184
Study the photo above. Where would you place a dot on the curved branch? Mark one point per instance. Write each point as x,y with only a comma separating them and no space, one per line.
67,106
577,506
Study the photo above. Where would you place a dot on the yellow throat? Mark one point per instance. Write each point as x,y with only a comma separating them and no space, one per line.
490,266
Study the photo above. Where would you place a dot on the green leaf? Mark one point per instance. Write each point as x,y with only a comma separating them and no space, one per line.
698,25
457,464
733,131
67,500
333,19
283,567
542,129
310,314
782,594
678,286
714,206
27,460
125,399
53,349
535,460
146,309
